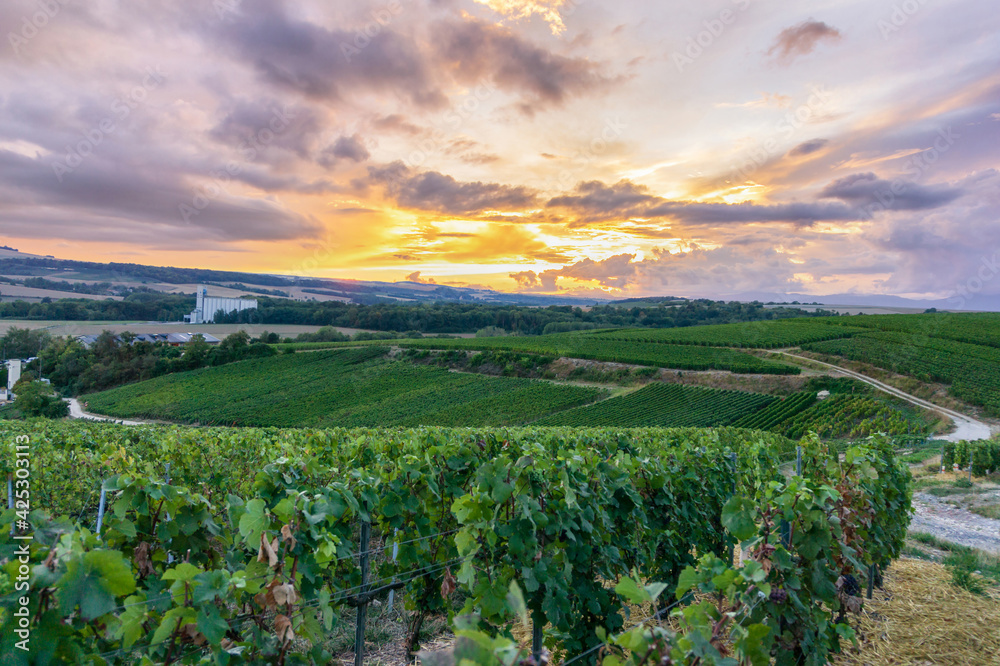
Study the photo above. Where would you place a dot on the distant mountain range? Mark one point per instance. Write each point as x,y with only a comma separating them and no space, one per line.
979,302
15,263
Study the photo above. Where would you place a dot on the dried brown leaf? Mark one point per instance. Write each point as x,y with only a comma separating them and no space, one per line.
267,552
286,535
285,594
142,560
283,628
449,584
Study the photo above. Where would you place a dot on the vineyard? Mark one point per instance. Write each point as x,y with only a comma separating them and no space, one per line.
345,387
591,347
251,551
754,335
980,328
973,371
671,405
778,412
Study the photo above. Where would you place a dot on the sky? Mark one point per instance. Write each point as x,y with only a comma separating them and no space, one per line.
582,147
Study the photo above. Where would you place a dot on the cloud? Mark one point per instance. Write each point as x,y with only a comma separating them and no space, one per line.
594,201
521,9
476,51
394,122
121,202
350,148
434,191
696,272
415,277
326,64
866,190
808,147
801,40
268,123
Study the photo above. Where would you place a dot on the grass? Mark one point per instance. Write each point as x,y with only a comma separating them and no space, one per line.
968,566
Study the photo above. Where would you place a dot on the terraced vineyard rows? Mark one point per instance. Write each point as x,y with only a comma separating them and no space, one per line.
345,387
973,371
978,328
846,416
777,412
756,335
665,405
590,346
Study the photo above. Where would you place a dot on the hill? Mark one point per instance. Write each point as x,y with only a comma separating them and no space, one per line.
348,387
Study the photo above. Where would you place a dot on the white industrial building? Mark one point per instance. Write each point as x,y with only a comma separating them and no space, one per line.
14,366
206,306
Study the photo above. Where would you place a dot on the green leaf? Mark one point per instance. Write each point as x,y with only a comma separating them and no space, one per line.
688,579
127,528
173,619
515,599
655,590
737,518
93,580
132,620
253,522
632,592
211,585
211,624
182,572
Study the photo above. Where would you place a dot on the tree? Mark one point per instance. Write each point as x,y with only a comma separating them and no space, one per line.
39,399
23,342
195,352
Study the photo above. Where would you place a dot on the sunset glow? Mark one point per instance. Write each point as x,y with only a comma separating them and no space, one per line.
548,146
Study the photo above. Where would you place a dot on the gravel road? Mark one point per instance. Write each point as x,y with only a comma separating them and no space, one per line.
954,524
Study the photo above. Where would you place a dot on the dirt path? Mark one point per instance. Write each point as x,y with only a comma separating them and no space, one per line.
76,412
966,427
954,524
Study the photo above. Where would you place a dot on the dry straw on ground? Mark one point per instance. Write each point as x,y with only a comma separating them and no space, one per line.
920,618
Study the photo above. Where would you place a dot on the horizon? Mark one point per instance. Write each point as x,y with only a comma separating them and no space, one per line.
560,147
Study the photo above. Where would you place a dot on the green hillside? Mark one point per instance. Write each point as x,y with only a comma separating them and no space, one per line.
348,387
594,347
665,405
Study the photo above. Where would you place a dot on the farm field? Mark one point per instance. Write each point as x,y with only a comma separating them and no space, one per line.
971,370
756,335
59,328
589,346
346,387
665,405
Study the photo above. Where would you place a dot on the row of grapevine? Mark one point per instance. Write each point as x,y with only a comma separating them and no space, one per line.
978,328
803,541
778,412
847,416
262,559
981,457
347,387
973,371
752,335
672,405
586,345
